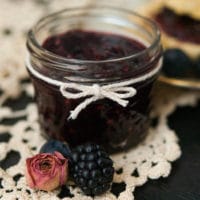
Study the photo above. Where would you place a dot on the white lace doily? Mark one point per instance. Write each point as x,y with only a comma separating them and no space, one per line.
21,139
151,159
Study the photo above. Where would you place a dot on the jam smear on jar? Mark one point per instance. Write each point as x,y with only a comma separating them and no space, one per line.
182,27
104,121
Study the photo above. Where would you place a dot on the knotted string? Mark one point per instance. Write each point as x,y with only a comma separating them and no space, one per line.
118,92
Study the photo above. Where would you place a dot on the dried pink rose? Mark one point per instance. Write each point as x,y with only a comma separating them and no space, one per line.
46,171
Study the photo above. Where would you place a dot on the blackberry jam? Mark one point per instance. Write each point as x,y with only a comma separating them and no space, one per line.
182,27
79,46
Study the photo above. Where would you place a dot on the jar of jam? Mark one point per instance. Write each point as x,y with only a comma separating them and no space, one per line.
93,69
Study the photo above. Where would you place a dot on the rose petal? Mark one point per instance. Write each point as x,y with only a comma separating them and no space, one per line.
28,173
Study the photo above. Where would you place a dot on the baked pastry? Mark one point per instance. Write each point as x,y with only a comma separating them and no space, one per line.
179,21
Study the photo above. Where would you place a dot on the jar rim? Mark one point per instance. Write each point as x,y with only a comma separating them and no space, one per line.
32,42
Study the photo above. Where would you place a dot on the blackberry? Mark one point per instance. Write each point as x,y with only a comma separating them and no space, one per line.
55,145
92,169
176,63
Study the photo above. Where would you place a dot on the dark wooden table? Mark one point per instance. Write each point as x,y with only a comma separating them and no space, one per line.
184,181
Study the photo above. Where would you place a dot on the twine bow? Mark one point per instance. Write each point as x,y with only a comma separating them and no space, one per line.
95,92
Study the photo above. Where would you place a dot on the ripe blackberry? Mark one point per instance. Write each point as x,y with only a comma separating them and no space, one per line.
176,63
92,169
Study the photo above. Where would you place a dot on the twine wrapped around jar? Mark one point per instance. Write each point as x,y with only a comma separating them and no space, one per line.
117,92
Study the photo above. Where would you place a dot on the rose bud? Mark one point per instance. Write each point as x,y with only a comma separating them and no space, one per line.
46,171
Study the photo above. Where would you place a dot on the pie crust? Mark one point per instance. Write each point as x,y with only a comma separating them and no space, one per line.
180,7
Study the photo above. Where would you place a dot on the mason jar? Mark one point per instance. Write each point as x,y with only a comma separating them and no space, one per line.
102,101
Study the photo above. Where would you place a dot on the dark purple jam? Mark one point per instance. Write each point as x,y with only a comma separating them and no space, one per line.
89,45
104,122
182,27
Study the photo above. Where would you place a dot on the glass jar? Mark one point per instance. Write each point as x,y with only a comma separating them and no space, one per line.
115,124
